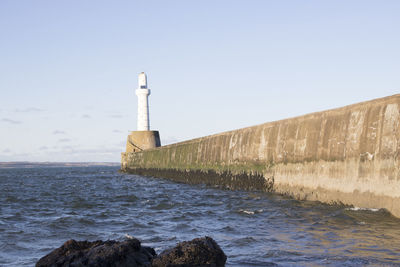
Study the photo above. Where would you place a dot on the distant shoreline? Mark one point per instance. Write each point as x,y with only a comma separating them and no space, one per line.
28,164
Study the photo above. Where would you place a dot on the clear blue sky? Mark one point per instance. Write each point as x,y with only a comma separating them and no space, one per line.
68,69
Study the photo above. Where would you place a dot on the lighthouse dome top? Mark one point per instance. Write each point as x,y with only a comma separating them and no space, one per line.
142,80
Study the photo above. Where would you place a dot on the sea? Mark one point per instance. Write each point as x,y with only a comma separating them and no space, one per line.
44,205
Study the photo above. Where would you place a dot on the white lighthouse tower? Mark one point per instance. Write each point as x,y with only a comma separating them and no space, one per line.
143,138
143,121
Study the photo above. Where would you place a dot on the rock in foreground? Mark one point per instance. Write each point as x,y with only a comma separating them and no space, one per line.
198,252
99,253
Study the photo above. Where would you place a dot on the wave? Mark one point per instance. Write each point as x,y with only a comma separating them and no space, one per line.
363,209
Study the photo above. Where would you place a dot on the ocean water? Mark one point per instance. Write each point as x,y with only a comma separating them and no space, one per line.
43,206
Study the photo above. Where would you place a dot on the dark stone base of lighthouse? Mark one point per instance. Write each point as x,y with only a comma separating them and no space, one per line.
142,140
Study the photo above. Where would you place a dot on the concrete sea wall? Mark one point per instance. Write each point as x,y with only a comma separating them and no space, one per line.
348,155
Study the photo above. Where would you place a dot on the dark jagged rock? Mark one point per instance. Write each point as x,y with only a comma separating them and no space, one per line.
198,252
99,253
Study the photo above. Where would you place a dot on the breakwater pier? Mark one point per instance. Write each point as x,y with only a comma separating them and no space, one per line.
347,155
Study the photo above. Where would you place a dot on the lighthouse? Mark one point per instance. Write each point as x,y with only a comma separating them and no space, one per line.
143,138
143,121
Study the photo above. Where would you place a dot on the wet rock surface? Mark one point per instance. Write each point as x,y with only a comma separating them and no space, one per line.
99,253
198,252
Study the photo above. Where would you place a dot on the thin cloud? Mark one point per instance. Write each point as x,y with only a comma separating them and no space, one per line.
88,151
10,121
43,148
6,150
58,132
64,140
117,131
30,109
98,150
85,116
116,116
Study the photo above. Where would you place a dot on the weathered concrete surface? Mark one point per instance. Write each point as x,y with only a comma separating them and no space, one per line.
348,155
142,140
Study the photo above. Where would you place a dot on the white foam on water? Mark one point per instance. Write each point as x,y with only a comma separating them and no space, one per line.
358,209
247,211
128,236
